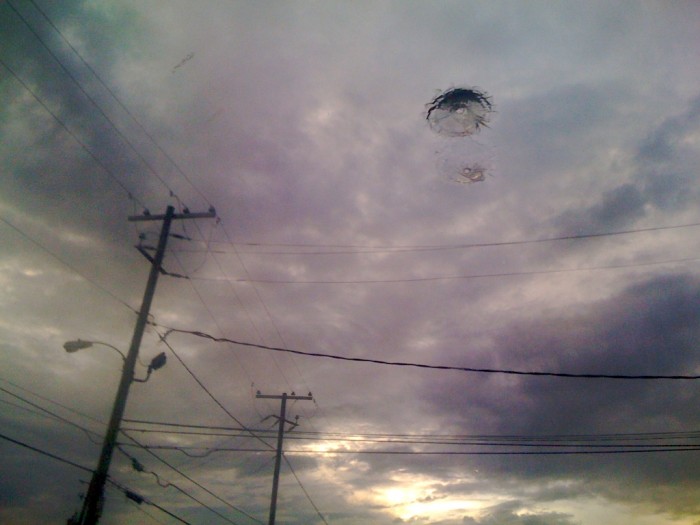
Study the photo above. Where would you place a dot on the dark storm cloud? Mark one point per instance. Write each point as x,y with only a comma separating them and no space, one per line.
667,161
662,144
539,128
649,328
617,208
663,178
79,102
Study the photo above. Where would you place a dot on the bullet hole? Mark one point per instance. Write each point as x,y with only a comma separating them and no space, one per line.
459,112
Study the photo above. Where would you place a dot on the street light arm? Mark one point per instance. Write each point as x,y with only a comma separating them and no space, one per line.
148,374
156,363
112,347
79,344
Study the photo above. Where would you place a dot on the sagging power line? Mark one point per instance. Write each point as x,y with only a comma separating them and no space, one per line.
335,249
569,375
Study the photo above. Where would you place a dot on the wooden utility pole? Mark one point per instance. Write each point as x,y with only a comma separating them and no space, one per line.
94,499
280,438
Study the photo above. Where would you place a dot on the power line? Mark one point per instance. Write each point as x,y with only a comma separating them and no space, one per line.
136,498
306,493
132,495
188,478
456,277
622,449
433,367
116,98
348,435
45,453
88,432
73,135
120,133
91,99
44,398
475,442
199,382
213,317
250,320
108,119
628,440
144,511
143,129
360,248
68,265
135,463
207,391
131,115
265,308
498,452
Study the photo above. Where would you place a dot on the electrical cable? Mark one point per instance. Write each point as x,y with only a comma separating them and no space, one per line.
164,340
265,308
622,449
693,434
119,102
122,105
87,432
68,265
167,484
308,497
124,138
435,367
188,478
73,135
513,443
144,511
90,98
456,277
359,249
46,453
216,322
274,325
44,398
207,391
255,328
133,496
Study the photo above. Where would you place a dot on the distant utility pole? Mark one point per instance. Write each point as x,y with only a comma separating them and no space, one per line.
280,438
94,499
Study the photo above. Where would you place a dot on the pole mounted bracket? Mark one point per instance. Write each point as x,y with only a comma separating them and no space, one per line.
142,250
211,214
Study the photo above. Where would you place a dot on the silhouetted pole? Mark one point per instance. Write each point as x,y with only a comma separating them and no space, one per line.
94,499
280,439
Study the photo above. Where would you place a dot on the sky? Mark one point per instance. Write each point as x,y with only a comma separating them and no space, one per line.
348,247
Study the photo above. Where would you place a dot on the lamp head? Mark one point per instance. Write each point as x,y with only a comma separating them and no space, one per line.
158,361
74,346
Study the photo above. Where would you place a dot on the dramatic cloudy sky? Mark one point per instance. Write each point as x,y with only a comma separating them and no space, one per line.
342,231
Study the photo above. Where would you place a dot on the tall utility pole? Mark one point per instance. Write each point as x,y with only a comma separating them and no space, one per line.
280,438
94,499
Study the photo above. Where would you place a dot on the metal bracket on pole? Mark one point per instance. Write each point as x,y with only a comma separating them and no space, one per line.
211,214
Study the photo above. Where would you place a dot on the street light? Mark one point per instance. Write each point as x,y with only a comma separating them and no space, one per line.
92,504
79,344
